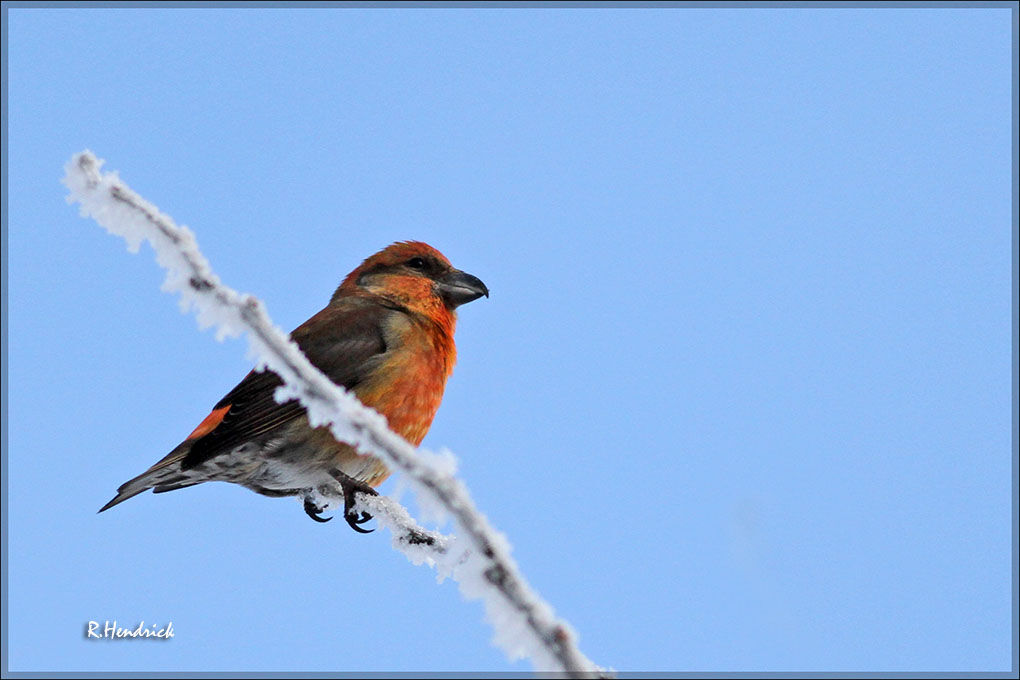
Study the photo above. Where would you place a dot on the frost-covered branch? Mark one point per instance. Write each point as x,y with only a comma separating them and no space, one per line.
478,559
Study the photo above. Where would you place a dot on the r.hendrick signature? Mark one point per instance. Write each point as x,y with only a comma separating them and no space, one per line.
111,631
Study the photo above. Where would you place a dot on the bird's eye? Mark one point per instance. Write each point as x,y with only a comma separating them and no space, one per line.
416,263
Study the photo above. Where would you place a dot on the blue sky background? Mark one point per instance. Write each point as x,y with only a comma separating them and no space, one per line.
740,398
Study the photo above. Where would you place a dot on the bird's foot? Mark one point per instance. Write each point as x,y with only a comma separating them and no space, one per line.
351,486
314,511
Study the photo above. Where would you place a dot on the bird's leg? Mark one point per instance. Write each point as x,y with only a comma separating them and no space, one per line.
351,486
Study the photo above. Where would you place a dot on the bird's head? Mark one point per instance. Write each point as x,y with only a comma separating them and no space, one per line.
414,275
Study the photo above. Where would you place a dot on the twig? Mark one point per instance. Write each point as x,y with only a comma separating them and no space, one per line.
525,624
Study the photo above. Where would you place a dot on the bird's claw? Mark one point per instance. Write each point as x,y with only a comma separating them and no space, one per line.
312,510
350,486
364,517
353,522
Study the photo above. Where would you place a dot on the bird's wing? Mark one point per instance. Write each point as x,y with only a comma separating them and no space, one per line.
345,341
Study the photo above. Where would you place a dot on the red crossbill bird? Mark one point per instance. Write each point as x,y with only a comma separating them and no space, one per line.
386,335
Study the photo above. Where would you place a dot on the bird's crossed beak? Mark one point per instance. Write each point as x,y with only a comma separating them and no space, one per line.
458,288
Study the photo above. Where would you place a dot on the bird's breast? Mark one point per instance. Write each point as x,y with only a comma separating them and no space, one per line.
408,385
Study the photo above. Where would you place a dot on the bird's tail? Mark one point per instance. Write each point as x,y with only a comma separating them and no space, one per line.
166,475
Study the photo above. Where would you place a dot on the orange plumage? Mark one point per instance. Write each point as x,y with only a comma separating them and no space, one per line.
387,335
